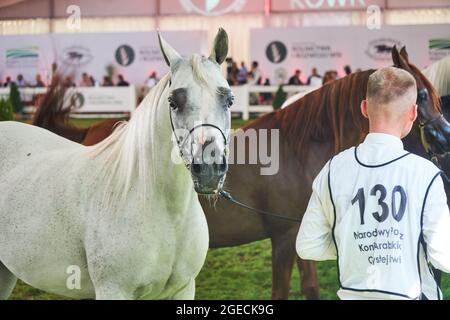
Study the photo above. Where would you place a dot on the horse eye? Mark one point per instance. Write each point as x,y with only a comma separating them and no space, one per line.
230,101
172,104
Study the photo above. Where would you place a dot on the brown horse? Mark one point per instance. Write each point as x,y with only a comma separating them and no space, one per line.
52,114
312,130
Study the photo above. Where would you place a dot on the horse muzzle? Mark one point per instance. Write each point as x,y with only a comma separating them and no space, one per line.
436,136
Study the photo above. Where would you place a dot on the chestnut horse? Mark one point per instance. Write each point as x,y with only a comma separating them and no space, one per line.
312,130
53,114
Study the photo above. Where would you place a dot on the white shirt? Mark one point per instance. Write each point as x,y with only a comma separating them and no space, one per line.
376,237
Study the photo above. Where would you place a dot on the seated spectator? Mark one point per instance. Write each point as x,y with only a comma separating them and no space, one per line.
68,82
85,80
329,76
7,82
21,81
347,70
267,97
314,79
241,76
107,82
230,76
295,79
152,80
94,82
256,73
39,82
122,82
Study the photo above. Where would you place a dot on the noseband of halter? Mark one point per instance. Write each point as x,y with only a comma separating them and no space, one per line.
181,143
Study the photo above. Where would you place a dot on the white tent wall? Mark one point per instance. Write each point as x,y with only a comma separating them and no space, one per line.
140,15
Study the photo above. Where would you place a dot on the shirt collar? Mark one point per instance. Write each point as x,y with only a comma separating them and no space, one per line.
385,139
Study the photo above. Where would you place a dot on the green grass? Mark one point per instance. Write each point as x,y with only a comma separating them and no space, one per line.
242,272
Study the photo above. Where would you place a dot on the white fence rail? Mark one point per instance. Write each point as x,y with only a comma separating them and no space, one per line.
243,94
108,101
92,101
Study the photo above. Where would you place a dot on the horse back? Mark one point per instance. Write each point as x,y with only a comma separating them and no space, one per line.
19,141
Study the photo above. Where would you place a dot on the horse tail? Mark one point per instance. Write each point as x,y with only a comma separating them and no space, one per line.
53,112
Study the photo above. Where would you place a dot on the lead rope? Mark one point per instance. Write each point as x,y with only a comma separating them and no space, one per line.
227,196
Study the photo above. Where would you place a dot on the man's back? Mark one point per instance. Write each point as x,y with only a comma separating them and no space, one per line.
383,206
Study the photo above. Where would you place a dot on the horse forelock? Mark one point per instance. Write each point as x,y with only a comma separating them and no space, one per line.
328,114
432,92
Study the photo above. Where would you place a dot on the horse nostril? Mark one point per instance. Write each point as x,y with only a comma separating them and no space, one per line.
196,168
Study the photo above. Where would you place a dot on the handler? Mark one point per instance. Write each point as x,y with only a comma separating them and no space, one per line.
379,210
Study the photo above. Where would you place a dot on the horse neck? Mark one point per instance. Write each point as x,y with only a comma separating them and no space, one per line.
137,156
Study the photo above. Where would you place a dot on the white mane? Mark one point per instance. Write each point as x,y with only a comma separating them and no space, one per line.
130,150
439,75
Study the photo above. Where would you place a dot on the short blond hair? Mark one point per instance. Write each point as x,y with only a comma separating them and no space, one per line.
387,85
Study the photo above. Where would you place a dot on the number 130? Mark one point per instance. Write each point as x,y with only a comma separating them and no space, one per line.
381,190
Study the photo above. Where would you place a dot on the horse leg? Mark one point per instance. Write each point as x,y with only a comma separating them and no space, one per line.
7,282
308,278
187,293
283,255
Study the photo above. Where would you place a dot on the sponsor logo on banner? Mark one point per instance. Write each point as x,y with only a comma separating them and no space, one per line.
125,55
77,100
150,54
380,49
76,56
276,52
25,57
314,50
212,7
438,49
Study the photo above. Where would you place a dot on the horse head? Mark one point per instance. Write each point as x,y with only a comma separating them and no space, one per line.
199,102
434,129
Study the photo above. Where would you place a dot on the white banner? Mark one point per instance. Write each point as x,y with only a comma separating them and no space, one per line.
106,99
280,51
134,55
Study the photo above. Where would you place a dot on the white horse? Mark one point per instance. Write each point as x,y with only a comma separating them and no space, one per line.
439,75
118,220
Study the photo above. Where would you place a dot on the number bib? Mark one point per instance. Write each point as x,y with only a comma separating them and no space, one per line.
377,222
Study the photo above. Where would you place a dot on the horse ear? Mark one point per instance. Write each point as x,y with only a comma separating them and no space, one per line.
404,54
168,52
220,47
395,56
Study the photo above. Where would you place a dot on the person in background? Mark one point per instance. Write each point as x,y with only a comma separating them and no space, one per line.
230,77
379,210
94,82
347,70
53,72
234,73
68,82
242,74
267,97
328,77
39,83
295,79
122,82
256,73
85,80
314,79
7,82
152,80
107,82
21,81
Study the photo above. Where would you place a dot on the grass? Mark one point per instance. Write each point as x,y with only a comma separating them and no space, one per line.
242,272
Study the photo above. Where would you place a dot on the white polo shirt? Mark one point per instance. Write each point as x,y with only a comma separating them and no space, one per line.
382,213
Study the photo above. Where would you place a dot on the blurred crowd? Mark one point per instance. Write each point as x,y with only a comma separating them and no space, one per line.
236,75
86,80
